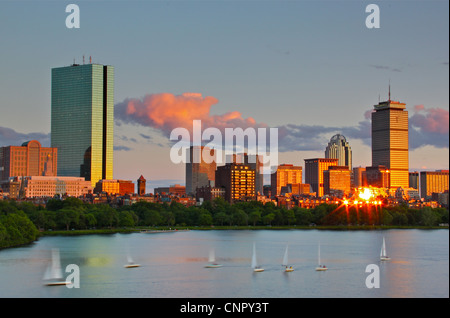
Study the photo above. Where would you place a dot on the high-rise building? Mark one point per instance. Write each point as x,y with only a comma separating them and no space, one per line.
414,180
82,120
314,169
199,173
30,159
336,181
433,182
390,141
255,162
285,174
238,180
338,148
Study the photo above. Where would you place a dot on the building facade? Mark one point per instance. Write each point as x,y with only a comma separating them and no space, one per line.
255,162
390,141
49,186
414,180
238,180
199,173
336,181
433,182
82,120
358,177
338,148
378,177
114,187
29,159
314,169
285,174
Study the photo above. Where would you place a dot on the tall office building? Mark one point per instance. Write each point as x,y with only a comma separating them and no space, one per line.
82,120
390,141
339,148
199,173
285,174
314,169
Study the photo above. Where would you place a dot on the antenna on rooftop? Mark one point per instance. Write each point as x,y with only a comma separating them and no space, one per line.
389,89
83,59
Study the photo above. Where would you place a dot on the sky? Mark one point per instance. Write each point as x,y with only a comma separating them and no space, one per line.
309,68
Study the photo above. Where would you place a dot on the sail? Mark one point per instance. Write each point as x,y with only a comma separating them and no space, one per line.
254,262
383,249
212,256
318,255
285,258
54,271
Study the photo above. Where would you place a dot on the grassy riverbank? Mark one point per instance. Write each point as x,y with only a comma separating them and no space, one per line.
255,228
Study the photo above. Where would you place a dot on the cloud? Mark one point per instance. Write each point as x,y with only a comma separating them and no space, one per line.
165,112
316,137
429,126
124,148
387,68
10,137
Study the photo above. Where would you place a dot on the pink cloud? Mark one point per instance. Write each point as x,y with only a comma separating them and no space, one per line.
165,111
435,120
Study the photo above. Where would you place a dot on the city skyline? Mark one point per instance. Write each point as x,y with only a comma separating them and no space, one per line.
311,78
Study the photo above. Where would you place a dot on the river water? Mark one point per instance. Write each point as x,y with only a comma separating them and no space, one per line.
172,265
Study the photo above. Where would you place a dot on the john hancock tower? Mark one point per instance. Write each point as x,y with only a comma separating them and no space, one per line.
82,121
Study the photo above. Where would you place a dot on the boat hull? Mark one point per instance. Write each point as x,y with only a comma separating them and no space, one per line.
258,270
213,266
321,269
59,283
132,266
289,270
385,258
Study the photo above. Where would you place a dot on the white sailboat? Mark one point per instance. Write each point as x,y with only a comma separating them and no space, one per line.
320,267
53,275
212,260
131,263
255,266
285,262
383,254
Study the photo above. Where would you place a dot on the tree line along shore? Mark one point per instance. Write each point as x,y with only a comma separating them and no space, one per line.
23,222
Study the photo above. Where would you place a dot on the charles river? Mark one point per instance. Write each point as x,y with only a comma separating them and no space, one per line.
172,265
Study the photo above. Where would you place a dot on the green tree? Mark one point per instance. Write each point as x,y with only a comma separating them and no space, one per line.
255,216
68,217
205,217
268,218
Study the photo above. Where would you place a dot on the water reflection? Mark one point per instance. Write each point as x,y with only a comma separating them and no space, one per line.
172,264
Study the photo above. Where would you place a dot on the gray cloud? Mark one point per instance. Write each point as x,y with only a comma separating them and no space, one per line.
387,68
10,137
